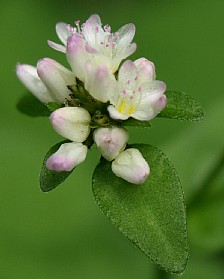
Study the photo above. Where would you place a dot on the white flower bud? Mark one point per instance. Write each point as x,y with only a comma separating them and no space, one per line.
131,166
72,123
28,76
68,156
110,141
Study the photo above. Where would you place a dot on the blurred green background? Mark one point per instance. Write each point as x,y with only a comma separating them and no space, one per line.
63,234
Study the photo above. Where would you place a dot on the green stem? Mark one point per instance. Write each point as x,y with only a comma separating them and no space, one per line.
207,183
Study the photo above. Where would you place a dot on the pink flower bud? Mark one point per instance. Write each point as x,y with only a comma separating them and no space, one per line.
110,141
68,156
131,166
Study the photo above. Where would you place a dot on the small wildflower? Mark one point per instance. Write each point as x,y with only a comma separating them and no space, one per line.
137,93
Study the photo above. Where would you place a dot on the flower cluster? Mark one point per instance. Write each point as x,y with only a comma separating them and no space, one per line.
96,95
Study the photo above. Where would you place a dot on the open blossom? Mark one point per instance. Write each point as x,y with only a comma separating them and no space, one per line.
137,93
48,81
71,123
131,166
110,141
96,43
68,156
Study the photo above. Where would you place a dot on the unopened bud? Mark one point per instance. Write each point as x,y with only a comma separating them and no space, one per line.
110,141
131,166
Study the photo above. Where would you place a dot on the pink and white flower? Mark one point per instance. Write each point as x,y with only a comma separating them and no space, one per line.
68,156
131,166
97,43
110,141
137,93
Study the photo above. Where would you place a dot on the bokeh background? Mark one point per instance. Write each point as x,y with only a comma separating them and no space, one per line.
63,234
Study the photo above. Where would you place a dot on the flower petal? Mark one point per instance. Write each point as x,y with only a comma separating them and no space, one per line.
127,75
68,156
146,70
77,55
72,123
114,114
62,32
152,90
28,76
57,46
56,77
131,166
126,35
99,81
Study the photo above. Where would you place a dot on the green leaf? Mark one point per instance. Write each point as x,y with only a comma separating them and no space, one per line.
51,179
181,106
136,123
151,215
31,106
52,106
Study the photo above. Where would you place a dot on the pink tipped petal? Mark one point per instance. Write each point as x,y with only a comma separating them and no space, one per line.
68,156
152,90
131,166
94,20
62,32
56,77
27,74
72,123
114,114
77,55
99,82
146,70
57,46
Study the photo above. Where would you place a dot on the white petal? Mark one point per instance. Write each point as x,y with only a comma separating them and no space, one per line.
146,70
62,32
126,35
57,46
28,76
91,29
131,166
130,49
72,123
110,141
68,156
56,77
99,81
152,90
114,114
127,74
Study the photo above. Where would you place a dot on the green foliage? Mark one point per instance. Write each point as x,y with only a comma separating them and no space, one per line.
51,179
52,106
151,215
181,106
31,106
135,123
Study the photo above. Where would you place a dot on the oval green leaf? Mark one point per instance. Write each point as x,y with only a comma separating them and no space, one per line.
151,215
182,106
31,106
49,179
